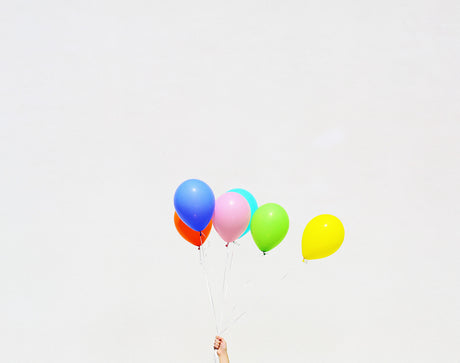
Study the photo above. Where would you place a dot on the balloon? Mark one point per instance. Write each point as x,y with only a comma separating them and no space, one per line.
269,226
194,202
322,236
231,216
252,203
189,234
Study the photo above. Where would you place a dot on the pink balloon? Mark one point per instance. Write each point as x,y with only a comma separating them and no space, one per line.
232,215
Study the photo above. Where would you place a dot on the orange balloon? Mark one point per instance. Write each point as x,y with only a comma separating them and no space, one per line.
189,234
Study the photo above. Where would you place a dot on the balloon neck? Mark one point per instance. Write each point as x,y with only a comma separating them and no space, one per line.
305,260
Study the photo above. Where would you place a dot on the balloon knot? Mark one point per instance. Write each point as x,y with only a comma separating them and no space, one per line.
264,253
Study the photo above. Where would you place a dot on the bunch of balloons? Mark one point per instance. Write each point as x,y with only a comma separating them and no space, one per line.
235,213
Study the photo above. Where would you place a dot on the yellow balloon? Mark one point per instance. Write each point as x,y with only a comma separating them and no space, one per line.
322,236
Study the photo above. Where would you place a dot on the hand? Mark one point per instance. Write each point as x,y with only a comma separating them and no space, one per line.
220,345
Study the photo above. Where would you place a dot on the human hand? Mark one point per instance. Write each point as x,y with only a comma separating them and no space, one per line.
220,345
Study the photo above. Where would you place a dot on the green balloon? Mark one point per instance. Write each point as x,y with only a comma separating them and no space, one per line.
269,226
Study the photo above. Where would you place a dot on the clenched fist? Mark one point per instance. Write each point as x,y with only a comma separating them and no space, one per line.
220,345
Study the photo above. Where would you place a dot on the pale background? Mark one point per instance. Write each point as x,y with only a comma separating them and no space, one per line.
343,107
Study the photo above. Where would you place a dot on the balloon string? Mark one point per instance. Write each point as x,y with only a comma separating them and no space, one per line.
228,264
203,255
233,322
289,271
249,308
203,265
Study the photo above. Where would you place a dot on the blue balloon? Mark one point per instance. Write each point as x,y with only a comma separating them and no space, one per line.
252,203
194,203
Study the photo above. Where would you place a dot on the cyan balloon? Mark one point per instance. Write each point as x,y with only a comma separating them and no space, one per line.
252,203
194,202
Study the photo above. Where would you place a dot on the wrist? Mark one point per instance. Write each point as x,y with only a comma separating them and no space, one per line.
223,357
